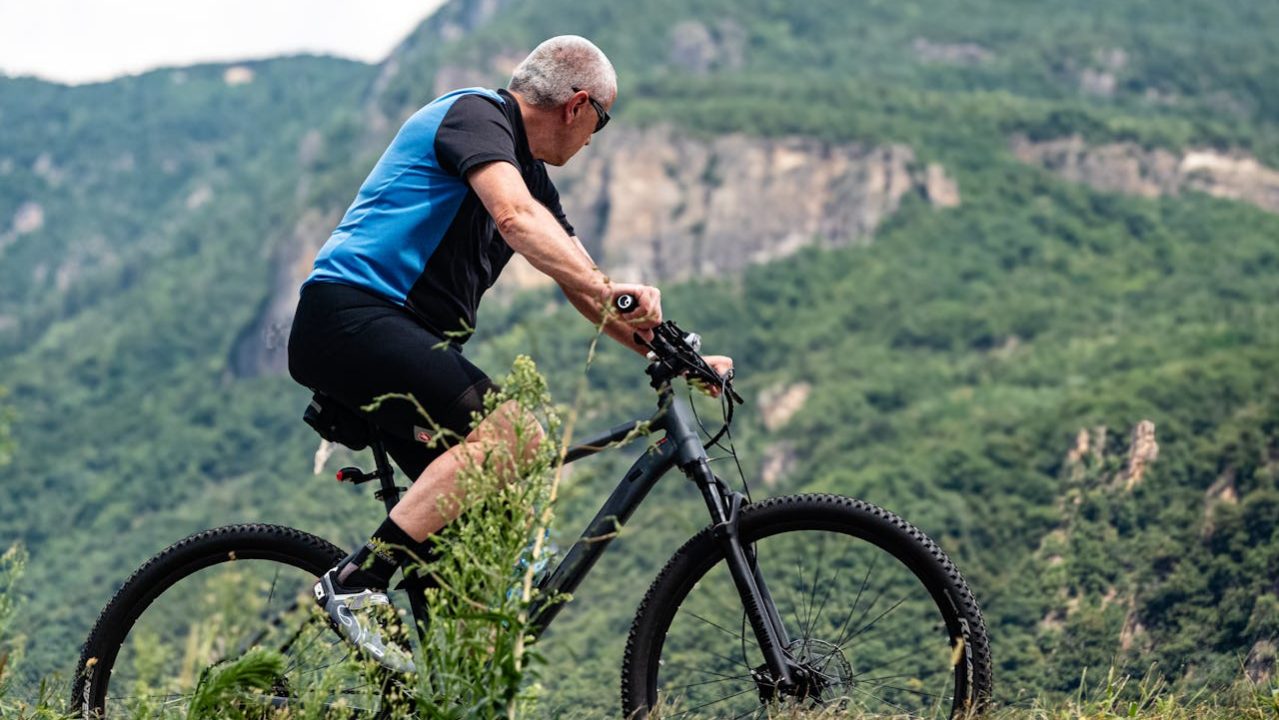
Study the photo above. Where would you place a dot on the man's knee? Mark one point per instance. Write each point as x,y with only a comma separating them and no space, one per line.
511,425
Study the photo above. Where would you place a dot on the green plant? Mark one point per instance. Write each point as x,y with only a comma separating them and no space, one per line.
219,688
12,564
476,653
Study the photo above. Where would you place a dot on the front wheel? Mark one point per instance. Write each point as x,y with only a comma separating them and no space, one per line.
875,614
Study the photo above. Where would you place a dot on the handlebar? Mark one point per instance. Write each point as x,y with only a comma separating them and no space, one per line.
625,303
673,352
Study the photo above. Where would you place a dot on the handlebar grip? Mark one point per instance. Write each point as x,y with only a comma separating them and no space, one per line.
625,302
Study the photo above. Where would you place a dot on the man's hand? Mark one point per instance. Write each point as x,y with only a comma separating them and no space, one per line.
721,364
646,313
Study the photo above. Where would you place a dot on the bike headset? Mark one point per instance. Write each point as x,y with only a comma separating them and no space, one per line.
673,352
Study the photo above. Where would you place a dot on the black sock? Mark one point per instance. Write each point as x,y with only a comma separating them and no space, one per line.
373,565
420,554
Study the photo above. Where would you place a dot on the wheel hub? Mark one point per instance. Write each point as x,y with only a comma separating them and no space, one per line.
821,673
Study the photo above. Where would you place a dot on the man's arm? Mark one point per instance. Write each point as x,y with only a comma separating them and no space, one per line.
532,231
615,327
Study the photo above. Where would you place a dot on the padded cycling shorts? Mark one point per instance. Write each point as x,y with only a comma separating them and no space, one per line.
356,346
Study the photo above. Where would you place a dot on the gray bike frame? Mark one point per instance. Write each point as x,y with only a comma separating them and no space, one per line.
680,447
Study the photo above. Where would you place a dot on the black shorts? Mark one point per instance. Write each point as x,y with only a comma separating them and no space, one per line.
356,346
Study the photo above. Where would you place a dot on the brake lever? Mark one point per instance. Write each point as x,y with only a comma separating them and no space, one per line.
652,351
696,365
728,385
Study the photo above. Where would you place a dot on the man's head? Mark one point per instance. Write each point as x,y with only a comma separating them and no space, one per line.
566,87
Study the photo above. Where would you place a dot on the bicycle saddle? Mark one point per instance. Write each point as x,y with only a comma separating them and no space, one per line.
335,422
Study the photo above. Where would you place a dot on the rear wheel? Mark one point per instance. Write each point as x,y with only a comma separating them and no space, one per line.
203,603
878,619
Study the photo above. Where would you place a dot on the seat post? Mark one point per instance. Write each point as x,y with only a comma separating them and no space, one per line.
389,494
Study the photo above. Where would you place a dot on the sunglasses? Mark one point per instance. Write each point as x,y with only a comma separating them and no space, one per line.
603,116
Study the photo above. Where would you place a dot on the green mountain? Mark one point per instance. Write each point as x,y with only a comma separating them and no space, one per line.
150,228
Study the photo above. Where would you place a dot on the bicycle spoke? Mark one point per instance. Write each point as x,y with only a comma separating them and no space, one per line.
301,654
878,633
168,697
274,580
713,702
726,678
288,644
675,666
856,600
721,602
738,661
834,583
726,631
872,622
916,692
894,661
840,642
854,688
273,623
812,599
885,677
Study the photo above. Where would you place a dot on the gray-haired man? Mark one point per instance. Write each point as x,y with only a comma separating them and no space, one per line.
461,188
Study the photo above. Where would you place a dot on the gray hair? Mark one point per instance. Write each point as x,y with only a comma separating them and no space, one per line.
548,75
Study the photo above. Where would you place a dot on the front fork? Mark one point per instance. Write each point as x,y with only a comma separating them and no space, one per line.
725,508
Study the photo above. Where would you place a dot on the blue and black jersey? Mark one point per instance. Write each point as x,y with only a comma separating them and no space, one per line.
417,234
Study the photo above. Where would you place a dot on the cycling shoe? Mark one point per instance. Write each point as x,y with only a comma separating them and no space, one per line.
360,616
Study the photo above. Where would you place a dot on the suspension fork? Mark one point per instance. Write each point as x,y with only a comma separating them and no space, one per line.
761,611
765,595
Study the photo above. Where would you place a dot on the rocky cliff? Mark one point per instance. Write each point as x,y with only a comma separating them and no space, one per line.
1132,169
656,205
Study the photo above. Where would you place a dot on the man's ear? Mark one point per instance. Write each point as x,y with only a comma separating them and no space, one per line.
574,107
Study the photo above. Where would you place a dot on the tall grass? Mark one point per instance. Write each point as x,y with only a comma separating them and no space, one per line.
476,659
476,651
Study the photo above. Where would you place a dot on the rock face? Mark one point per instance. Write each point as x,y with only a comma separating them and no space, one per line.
28,218
1129,168
778,404
262,348
655,204
699,49
238,75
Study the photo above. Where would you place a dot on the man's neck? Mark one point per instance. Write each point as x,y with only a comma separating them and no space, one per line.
538,125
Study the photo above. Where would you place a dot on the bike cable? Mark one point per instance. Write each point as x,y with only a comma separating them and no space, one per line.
726,399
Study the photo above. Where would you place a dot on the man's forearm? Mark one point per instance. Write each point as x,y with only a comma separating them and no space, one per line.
620,331
570,266
613,327
533,232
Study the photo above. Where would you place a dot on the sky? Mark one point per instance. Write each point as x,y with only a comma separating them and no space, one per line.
76,41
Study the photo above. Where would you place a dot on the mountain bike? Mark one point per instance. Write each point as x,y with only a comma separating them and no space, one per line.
800,601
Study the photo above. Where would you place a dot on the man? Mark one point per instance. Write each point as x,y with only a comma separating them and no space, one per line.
462,186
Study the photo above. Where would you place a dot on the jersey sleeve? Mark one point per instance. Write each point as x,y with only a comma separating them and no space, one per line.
544,191
474,131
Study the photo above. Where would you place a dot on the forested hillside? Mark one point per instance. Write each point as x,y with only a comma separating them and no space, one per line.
985,369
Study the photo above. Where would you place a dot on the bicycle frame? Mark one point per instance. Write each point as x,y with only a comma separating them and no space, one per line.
680,447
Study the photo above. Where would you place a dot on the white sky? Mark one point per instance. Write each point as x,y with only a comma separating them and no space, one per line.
77,41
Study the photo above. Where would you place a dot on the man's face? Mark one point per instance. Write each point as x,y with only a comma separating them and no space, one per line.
581,118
